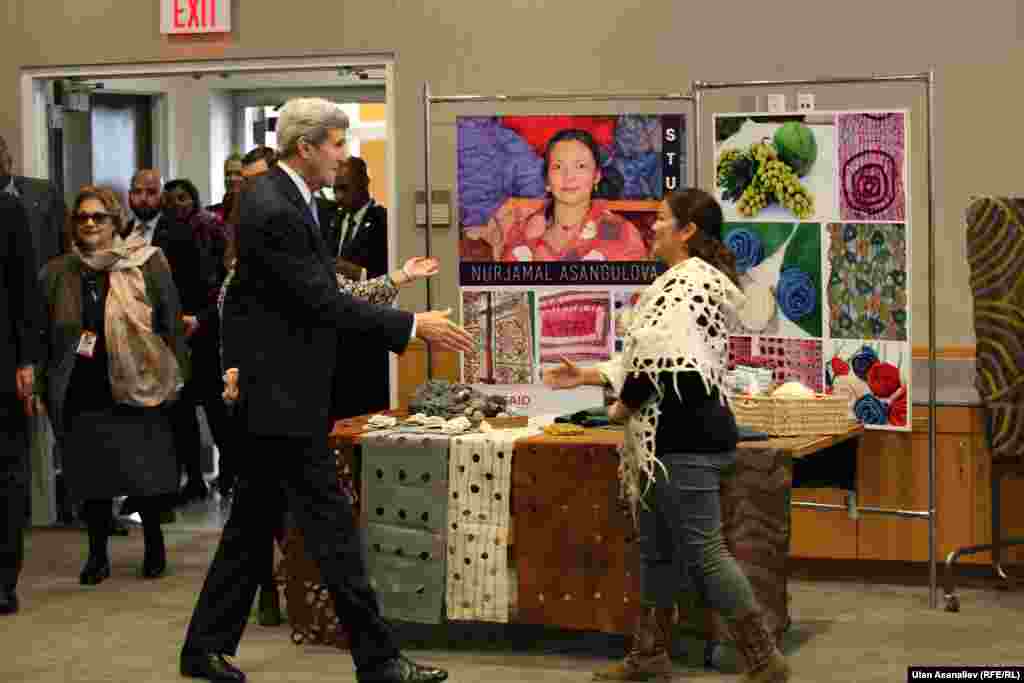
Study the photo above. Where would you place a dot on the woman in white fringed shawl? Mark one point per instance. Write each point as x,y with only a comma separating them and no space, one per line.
680,436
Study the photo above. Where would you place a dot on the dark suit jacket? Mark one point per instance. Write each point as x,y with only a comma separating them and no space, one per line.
285,320
369,248
21,306
47,217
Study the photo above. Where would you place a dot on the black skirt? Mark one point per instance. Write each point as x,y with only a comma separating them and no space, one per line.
119,450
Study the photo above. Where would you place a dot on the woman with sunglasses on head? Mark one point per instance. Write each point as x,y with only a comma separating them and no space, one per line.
680,436
113,339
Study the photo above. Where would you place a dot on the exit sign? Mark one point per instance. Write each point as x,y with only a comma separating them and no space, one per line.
195,16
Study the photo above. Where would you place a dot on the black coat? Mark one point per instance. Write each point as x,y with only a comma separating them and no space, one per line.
369,248
47,216
286,319
21,308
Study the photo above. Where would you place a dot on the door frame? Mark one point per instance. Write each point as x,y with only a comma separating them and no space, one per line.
34,124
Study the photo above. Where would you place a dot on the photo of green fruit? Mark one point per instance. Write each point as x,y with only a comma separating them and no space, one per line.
775,167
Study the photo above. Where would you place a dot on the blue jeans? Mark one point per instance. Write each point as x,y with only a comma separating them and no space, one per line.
680,536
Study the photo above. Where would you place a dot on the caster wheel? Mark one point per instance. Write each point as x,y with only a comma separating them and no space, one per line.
712,655
952,603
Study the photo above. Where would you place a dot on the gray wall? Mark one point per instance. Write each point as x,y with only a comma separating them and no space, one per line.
464,46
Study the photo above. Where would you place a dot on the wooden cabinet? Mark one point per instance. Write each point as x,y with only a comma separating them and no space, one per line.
822,533
892,473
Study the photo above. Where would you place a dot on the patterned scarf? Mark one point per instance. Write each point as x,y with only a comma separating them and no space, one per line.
681,324
143,369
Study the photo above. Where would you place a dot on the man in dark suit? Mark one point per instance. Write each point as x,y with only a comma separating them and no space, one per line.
21,311
45,207
281,332
357,233
188,268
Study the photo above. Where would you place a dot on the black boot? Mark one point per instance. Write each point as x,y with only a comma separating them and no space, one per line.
154,562
99,519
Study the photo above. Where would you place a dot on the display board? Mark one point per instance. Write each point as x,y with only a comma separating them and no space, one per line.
816,210
555,217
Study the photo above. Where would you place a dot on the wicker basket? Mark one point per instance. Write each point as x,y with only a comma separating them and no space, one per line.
822,414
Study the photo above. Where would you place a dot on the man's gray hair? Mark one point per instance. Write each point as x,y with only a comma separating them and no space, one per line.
310,118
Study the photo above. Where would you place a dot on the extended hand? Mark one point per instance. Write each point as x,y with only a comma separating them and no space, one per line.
24,381
618,412
434,327
231,392
419,267
191,325
565,376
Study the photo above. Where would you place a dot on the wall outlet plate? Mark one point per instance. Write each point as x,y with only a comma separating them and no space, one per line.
805,101
775,104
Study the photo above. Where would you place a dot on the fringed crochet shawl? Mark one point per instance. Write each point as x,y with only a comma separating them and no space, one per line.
681,324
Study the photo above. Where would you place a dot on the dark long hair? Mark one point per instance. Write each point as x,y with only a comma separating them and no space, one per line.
696,206
611,184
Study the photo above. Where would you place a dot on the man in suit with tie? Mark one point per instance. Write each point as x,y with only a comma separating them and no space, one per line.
44,206
148,221
21,310
357,233
282,329
360,231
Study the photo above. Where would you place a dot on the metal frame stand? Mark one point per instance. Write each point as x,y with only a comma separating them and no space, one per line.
429,99
929,80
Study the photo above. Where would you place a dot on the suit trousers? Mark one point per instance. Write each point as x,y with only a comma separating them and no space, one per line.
298,474
14,491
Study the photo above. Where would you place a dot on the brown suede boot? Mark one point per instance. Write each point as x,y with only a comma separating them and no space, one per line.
765,664
648,656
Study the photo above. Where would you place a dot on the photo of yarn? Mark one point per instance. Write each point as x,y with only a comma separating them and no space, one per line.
556,188
775,167
576,325
623,303
872,170
791,360
875,377
503,325
867,281
780,272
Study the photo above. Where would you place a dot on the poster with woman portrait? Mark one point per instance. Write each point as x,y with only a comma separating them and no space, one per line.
560,207
816,205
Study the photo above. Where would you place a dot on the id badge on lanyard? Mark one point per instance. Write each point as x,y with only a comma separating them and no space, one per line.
87,344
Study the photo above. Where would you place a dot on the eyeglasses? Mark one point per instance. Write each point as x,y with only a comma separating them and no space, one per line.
99,218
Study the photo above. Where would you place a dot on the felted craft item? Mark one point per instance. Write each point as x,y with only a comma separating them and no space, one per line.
681,324
478,587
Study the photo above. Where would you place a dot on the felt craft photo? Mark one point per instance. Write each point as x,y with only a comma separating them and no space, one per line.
780,273
875,376
871,170
503,325
575,325
564,188
867,281
790,360
775,167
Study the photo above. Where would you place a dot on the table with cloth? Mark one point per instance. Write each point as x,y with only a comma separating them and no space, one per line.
519,526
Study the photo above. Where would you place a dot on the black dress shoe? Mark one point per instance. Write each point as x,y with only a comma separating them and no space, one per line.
8,601
154,567
96,569
211,666
401,670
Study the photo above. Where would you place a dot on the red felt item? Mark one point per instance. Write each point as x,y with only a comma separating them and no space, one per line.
537,130
898,411
840,367
884,379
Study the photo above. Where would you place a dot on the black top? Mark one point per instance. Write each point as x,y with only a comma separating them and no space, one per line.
698,423
89,387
